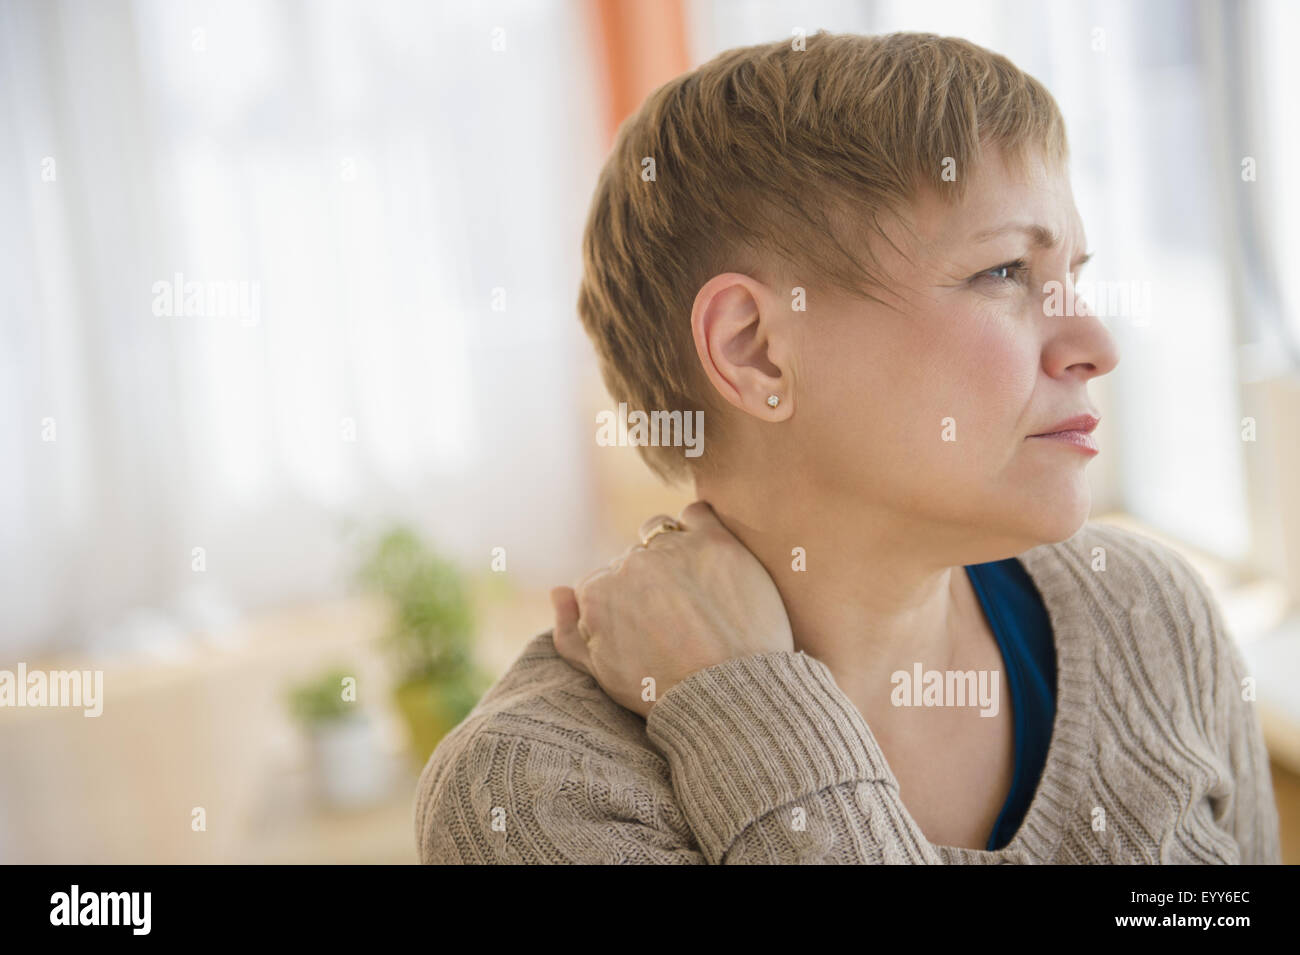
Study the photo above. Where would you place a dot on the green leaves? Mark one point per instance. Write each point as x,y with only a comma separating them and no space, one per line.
431,635
321,700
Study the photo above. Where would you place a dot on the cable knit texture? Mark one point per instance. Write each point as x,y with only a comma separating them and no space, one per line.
1155,756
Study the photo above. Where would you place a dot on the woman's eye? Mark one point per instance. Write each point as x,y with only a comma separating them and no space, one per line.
1008,272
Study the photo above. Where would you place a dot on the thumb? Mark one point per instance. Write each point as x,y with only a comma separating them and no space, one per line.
565,602
568,641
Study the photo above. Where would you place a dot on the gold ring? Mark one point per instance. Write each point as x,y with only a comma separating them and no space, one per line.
667,524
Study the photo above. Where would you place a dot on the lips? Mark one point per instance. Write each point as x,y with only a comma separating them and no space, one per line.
1083,424
1073,431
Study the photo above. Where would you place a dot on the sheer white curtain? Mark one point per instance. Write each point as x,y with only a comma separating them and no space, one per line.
1272,77
397,189
1155,166
386,176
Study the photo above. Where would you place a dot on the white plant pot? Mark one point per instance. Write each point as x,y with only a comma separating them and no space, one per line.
350,768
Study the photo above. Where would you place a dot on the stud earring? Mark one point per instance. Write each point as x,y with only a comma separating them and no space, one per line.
773,401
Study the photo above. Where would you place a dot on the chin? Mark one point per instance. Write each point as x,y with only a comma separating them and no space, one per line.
1047,506
1060,529
1058,517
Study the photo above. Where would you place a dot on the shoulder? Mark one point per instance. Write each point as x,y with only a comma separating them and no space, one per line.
1172,722
1136,555
1125,570
1153,615
543,699
544,734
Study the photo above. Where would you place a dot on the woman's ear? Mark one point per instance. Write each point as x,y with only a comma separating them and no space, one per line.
743,340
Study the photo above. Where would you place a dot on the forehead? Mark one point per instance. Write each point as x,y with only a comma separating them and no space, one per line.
998,194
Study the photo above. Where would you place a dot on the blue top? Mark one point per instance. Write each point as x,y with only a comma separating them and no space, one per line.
1020,623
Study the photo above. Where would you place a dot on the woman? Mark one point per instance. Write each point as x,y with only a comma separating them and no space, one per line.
886,632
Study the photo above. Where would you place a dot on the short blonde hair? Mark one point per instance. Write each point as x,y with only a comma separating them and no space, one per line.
774,157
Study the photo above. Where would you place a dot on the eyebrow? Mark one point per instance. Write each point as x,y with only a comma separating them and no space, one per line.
1040,235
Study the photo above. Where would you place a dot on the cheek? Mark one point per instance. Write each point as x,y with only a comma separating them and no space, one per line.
873,407
990,378
856,387
977,368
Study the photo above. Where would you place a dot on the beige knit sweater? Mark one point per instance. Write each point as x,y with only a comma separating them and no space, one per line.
1155,757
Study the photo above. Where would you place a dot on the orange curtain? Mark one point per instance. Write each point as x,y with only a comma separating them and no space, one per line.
641,44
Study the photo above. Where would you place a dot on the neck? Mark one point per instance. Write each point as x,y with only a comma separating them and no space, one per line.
878,590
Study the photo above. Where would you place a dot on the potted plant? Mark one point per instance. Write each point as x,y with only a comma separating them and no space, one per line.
347,765
430,637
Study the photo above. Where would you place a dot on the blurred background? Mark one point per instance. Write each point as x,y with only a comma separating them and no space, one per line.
296,413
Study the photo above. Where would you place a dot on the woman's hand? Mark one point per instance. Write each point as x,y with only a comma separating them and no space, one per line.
688,600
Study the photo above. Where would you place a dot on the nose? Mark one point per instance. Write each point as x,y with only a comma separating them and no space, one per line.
1077,341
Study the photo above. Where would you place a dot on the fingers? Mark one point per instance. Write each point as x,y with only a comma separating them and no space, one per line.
617,562
569,642
607,569
657,521
698,516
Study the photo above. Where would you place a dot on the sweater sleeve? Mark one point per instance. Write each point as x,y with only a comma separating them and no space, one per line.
768,763
494,798
772,763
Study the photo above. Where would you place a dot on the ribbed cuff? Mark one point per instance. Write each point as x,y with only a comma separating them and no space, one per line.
756,733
